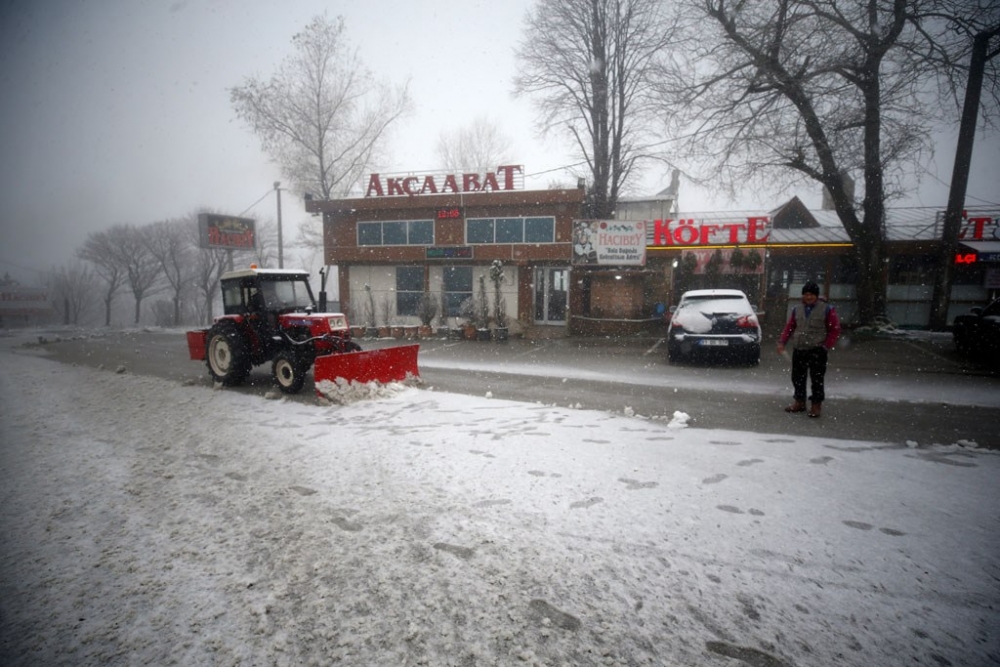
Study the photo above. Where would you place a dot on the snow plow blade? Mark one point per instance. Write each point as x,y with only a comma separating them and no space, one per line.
391,364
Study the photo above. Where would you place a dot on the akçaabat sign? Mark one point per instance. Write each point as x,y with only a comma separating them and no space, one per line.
507,177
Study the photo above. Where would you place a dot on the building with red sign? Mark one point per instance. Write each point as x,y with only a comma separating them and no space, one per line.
437,237
420,237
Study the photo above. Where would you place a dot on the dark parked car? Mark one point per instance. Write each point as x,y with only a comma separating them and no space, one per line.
714,322
977,335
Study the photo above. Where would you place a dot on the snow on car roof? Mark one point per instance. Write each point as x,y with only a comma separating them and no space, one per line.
708,293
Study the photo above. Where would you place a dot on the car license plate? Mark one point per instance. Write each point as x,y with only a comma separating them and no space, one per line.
715,341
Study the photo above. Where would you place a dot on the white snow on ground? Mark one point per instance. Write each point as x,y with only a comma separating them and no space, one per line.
144,522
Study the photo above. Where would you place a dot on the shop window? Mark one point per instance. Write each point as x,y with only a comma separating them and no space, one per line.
539,230
369,233
409,287
479,230
457,286
396,232
393,233
420,232
510,230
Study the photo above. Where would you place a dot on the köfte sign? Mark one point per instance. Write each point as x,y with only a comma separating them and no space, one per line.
691,232
506,177
226,231
609,242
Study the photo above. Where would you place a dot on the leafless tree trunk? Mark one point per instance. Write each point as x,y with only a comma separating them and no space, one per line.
100,250
593,65
478,147
142,270
322,116
824,91
74,286
168,242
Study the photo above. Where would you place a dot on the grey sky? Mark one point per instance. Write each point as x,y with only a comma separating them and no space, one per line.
117,110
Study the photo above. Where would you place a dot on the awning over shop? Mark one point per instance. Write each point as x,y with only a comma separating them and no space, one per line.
986,251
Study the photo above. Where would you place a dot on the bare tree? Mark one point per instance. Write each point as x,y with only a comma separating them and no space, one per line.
208,266
100,249
142,270
594,65
827,91
169,242
322,117
477,147
74,286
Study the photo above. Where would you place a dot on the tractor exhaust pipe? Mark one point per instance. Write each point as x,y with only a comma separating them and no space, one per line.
322,290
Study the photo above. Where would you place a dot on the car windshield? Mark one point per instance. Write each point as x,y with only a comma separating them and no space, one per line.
285,294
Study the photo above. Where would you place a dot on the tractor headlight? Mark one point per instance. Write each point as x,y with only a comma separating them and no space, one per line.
338,322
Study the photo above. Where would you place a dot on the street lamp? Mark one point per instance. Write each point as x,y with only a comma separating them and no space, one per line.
277,191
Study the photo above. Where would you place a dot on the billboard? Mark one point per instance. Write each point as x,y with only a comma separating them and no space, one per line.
17,300
609,242
227,231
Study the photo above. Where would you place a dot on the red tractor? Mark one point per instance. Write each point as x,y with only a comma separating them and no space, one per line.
270,315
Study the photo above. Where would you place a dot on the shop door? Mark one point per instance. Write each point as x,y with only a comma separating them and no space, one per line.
551,295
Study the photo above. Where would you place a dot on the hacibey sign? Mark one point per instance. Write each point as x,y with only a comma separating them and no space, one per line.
506,177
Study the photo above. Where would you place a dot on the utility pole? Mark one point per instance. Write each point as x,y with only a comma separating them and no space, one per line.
960,178
281,260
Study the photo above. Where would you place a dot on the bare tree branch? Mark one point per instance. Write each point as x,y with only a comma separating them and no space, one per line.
591,66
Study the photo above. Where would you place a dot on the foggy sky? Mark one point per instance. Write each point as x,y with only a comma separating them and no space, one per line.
118,111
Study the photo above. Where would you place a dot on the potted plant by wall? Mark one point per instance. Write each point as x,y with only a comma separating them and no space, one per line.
467,315
385,318
482,317
501,332
427,308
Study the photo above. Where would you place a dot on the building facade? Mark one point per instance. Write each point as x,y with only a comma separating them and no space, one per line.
415,238
466,242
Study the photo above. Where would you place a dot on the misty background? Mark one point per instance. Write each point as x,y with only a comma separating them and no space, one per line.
118,112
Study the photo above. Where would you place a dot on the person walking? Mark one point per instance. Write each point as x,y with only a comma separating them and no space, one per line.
813,328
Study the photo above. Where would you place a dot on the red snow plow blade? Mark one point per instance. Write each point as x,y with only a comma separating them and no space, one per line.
391,364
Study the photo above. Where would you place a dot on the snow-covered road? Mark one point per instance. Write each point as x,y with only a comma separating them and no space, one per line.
145,522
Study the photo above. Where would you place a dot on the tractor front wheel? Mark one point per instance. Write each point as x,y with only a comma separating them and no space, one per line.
289,372
228,354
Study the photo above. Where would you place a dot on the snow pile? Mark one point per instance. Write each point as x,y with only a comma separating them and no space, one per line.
342,392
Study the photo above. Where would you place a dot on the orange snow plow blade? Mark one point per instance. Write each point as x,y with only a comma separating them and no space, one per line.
391,364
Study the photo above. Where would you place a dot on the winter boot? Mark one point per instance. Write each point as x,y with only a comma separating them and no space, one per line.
797,406
815,409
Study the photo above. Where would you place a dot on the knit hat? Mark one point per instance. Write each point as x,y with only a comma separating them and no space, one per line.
810,288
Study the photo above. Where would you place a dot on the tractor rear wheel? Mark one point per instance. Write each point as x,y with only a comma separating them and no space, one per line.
227,354
289,372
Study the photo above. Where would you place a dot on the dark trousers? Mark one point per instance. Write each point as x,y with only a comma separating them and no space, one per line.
809,363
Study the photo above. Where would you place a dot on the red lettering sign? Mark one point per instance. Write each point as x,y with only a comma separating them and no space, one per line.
505,178
689,232
965,258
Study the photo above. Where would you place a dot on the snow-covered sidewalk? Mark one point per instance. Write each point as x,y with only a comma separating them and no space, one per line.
149,523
